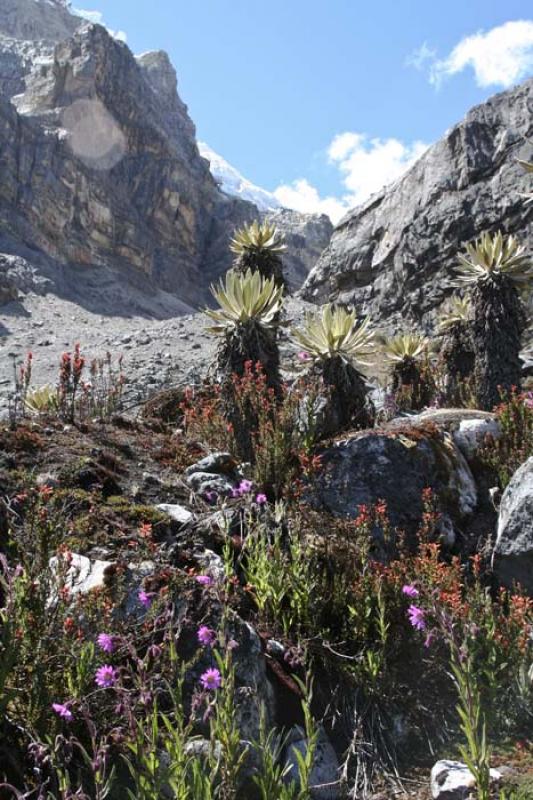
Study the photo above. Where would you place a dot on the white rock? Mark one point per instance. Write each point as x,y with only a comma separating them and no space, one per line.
211,564
176,512
471,434
452,780
80,576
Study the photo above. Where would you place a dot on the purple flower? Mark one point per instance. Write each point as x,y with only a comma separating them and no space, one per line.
204,580
145,598
206,636
63,711
416,617
210,497
429,640
303,356
261,499
245,486
211,679
106,676
410,590
106,642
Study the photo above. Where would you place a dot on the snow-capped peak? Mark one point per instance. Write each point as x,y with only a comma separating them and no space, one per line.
232,182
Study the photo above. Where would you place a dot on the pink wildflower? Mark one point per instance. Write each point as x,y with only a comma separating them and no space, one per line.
410,591
106,642
206,636
261,499
63,711
204,580
106,676
211,679
145,599
416,617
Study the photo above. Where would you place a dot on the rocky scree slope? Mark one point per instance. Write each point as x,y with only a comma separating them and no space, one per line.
99,159
394,255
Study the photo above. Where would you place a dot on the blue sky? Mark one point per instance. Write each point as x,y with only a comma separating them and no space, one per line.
337,95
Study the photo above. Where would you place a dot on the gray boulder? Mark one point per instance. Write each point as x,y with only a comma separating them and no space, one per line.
394,464
513,552
324,779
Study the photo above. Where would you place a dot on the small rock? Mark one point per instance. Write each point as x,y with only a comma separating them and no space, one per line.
80,576
143,340
219,463
200,748
203,482
275,649
48,480
324,779
452,780
211,564
176,512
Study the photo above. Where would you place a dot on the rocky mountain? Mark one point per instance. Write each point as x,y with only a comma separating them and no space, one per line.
393,256
45,20
101,173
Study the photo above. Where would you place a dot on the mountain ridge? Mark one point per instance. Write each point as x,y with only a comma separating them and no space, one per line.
101,164
393,256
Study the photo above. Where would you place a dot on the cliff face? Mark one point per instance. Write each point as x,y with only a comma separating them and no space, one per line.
306,235
99,160
45,20
394,256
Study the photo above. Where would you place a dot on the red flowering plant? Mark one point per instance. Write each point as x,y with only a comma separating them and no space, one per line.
507,452
99,396
203,419
281,444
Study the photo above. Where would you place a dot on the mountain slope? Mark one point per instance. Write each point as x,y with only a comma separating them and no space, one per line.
394,255
233,183
100,164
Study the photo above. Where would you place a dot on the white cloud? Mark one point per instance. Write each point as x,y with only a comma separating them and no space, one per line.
501,56
366,165
369,164
97,18
303,197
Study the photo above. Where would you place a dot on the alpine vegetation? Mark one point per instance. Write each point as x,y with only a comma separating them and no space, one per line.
258,246
494,269
338,347
407,355
456,348
247,322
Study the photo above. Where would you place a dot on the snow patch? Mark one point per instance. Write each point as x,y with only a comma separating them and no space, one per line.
232,182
